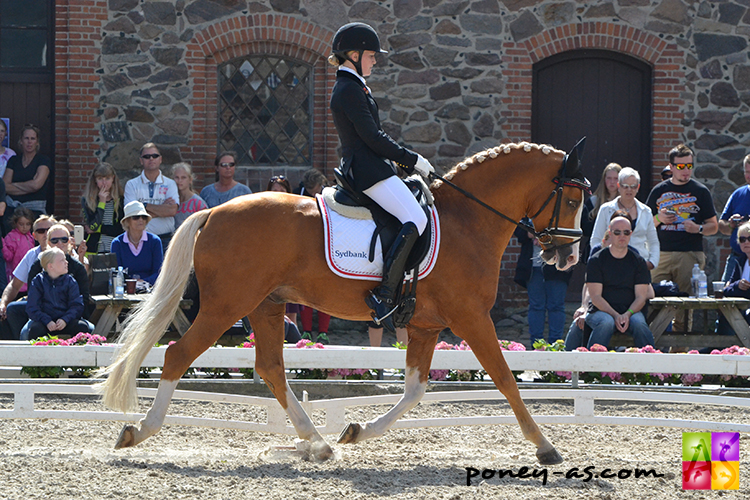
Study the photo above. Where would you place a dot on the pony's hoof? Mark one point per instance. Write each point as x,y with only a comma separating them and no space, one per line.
350,434
321,451
549,457
127,437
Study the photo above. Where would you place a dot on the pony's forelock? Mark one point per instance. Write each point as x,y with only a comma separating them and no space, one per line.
494,153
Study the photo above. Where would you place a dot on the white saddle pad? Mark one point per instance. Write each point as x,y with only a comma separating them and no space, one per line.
347,245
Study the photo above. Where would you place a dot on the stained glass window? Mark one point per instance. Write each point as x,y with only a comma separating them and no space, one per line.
265,110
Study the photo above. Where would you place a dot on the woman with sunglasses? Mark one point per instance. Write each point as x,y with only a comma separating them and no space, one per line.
738,284
370,156
225,188
137,250
644,238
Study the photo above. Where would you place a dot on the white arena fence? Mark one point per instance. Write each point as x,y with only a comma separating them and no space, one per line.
15,354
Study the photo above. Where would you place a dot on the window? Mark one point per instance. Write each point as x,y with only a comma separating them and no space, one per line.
25,30
265,110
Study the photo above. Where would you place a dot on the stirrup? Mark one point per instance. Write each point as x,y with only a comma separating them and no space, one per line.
379,316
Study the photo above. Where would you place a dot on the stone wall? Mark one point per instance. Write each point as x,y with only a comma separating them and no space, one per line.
457,78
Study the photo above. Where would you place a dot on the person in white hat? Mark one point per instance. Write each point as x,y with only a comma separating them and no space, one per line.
137,250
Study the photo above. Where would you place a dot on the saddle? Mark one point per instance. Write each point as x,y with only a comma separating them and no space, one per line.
387,228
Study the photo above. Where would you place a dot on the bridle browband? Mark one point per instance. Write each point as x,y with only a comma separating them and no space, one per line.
547,235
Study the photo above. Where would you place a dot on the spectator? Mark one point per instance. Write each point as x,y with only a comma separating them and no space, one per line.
17,242
312,183
375,333
190,202
5,153
156,192
27,176
683,213
738,283
137,250
618,283
605,192
736,211
643,238
225,188
58,236
55,304
15,312
666,173
102,208
546,286
75,249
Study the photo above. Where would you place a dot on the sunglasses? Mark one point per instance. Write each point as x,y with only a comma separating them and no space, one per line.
744,239
277,178
227,165
41,230
682,166
152,156
139,217
61,239
626,232
629,186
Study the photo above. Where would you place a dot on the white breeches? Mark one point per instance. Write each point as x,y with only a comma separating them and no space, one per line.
395,198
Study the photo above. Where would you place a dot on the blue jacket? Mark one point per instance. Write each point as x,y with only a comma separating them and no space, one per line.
52,299
148,262
733,289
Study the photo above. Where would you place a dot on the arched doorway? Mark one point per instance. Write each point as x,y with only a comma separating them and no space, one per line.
605,96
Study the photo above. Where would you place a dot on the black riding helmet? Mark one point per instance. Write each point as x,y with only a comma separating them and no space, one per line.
356,36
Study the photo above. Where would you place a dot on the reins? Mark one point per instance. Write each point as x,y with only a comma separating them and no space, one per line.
545,236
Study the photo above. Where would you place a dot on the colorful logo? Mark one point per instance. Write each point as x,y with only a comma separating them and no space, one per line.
710,460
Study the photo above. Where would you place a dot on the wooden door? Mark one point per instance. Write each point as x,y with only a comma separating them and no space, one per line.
605,96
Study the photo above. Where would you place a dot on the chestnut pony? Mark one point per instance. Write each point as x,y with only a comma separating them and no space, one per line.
258,252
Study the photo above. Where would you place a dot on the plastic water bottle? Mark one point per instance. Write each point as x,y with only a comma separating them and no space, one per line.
119,284
702,285
694,280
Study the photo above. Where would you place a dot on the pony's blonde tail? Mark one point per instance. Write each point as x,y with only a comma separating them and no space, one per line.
148,321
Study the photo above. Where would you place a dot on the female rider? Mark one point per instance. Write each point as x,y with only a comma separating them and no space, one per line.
366,149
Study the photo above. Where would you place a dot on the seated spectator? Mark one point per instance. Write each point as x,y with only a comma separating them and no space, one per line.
102,208
5,153
55,304
190,202
19,241
312,183
225,188
644,237
76,249
27,175
738,284
618,284
137,250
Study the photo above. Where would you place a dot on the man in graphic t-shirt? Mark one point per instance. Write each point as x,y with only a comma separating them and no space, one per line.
683,213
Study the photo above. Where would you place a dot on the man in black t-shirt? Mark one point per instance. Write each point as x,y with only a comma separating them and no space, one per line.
619,283
683,213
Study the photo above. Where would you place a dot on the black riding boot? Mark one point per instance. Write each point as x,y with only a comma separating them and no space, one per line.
382,300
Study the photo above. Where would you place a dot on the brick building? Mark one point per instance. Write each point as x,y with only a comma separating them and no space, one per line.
635,76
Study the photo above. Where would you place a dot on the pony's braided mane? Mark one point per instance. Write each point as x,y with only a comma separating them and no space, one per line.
494,153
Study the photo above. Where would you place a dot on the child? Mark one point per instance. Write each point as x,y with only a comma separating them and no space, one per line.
54,303
19,241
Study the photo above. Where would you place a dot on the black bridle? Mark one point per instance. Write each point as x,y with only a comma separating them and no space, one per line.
553,230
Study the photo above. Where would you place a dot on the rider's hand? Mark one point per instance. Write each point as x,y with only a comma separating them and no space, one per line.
423,166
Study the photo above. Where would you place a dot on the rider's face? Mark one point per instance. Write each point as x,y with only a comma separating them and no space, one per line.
368,61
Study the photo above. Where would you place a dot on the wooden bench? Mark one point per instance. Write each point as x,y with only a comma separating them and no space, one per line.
664,309
107,310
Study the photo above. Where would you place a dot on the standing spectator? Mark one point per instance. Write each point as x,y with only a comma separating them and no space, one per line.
312,183
55,303
280,184
605,192
19,241
546,286
102,208
666,173
618,283
156,192
644,237
27,175
5,153
683,213
137,250
736,211
190,202
225,188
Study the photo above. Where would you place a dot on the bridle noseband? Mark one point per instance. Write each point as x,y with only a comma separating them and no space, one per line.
553,230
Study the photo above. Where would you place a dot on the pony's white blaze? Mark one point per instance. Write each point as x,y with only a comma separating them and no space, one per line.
573,257
413,391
